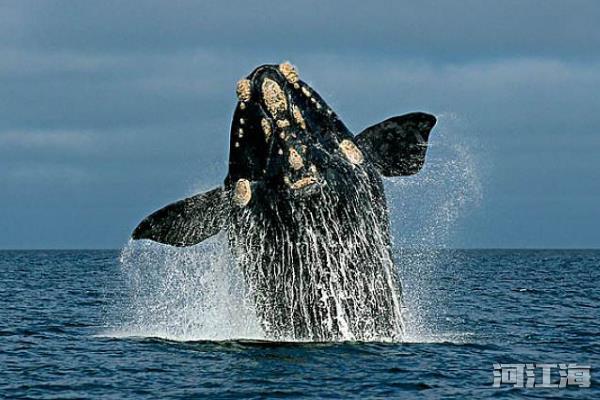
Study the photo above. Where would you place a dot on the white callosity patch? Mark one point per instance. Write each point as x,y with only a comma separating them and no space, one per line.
273,96
289,72
298,117
242,193
306,91
352,153
266,127
302,182
295,160
283,123
243,90
321,269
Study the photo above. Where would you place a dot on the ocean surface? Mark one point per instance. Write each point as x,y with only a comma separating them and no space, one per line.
80,324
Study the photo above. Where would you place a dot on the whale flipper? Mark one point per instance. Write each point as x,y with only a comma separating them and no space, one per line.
397,146
186,222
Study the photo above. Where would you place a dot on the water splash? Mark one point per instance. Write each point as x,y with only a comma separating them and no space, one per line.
194,293
425,209
199,293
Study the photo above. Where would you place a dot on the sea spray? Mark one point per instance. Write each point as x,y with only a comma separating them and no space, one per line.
425,209
193,293
205,292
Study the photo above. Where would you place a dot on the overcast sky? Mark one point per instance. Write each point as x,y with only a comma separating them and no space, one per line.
111,109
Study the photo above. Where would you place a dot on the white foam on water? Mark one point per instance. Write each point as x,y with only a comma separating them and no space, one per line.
439,338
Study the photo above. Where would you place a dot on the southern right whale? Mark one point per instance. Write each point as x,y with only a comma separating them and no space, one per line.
304,208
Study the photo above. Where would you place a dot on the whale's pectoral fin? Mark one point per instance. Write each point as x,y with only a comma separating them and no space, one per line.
397,146
186,222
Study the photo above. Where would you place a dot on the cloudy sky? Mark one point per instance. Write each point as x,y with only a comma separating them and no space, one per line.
111,109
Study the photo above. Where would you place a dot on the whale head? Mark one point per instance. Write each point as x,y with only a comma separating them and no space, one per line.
284,136
289,149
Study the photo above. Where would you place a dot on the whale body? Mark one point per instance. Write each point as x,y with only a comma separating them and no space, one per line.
305,212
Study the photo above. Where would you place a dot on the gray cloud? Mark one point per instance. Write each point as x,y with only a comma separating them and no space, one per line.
450,30
114,108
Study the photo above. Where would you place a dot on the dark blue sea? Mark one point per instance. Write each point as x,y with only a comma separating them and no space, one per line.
62,335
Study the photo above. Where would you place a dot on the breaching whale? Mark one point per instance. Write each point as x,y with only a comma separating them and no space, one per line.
304,209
